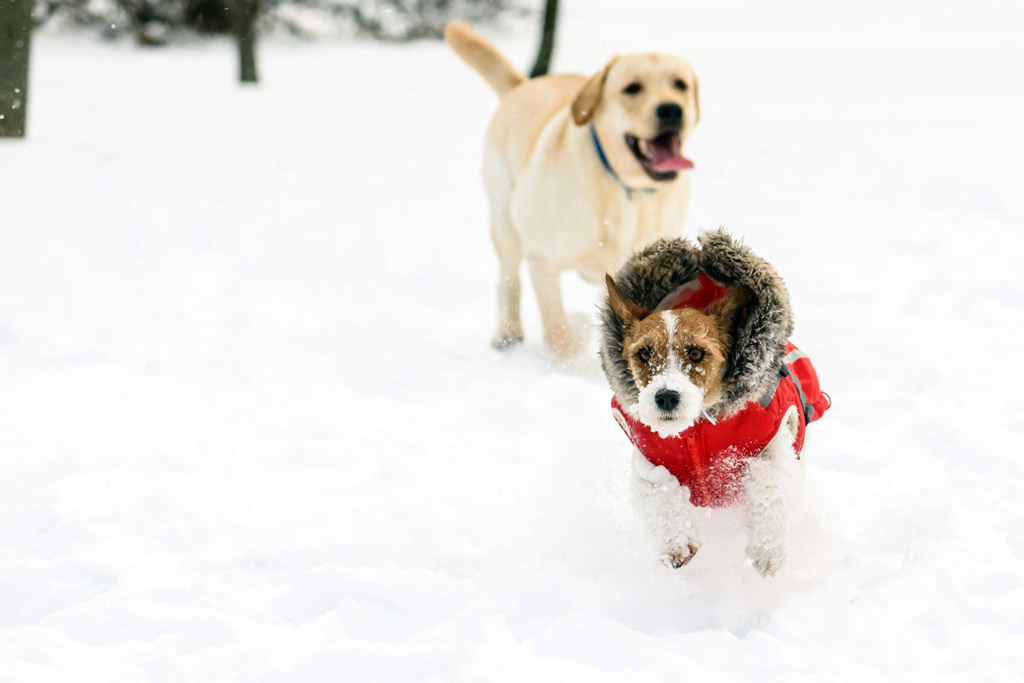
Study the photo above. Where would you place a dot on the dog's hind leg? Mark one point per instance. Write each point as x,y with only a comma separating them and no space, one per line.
665,504
769,491
510,253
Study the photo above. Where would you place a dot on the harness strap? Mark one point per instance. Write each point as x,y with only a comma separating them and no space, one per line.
808,408
784,371
608,167
793,356
768,395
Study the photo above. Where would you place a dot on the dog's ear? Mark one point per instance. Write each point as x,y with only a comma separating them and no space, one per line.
627,311
589,96
729,307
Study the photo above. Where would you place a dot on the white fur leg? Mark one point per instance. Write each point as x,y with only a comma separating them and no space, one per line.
664,504
769,490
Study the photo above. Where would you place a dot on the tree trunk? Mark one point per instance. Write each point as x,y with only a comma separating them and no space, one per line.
547,39
15,34
243,26
247,57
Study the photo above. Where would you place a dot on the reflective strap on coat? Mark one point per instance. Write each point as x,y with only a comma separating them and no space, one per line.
793,356
808,408
784,371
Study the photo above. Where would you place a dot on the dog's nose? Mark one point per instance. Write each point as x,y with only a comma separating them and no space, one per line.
667,399
669,113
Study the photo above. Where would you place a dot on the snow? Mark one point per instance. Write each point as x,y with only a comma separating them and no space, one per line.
251,428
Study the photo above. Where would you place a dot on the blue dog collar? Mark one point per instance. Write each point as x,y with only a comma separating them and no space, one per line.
608,167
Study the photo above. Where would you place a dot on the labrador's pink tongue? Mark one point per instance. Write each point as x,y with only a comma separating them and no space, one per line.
665,156
676,163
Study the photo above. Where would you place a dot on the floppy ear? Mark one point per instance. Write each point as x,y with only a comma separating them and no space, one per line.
627,311
589,96
729,307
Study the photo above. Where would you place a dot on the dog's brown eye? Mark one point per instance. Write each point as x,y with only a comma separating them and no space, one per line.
680,84
644,354
695,354
633,88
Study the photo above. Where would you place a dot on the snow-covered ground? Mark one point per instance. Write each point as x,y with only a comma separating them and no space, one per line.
251,428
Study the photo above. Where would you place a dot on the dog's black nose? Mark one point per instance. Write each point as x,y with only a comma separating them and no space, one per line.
667,399
669,113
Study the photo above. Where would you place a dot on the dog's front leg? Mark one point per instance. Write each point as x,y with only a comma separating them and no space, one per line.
558,334
664,504
769,490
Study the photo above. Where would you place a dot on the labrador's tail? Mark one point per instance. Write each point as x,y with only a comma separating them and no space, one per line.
483,57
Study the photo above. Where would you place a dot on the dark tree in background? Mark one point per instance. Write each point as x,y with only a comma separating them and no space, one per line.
158,22
149,20
408,20
242,16
15,34
547,40
206,16
387,20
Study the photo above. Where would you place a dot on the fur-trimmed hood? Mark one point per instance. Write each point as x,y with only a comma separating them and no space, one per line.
760,340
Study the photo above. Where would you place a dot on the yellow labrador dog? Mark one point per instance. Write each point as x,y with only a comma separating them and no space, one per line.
579,171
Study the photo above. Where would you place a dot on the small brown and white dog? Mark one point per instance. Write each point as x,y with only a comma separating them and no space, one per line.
678,359
579,172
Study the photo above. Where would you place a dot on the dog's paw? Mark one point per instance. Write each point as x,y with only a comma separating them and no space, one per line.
676,557
506,342
766,557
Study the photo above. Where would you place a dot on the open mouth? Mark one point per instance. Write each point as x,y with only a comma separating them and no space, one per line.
659,156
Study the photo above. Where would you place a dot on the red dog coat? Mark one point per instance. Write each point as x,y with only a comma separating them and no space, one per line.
709,457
